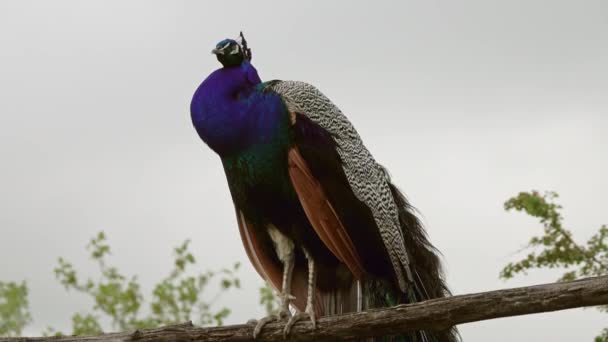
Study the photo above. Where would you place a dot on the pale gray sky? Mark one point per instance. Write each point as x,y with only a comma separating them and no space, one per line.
466,102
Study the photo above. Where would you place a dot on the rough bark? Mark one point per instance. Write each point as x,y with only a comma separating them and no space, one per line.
434,314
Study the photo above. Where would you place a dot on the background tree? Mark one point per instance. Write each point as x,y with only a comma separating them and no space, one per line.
14,309
175,299
556,247
269,299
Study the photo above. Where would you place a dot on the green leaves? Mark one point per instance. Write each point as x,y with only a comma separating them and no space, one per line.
603,337
118,298
14,312
556,248
176,298
85,325
269,300
114,295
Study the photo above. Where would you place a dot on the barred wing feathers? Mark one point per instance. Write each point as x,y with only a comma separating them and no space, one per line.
367,179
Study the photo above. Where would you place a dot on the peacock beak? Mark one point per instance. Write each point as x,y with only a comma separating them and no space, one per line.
217,51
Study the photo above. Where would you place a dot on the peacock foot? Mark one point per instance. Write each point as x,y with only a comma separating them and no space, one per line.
309,313
282,315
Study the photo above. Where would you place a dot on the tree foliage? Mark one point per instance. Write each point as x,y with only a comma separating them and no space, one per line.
269,299
14,310
556,248
176,298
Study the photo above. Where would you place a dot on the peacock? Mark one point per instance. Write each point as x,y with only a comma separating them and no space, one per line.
320,219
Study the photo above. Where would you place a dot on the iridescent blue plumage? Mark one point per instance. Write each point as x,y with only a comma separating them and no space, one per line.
224,109
248,128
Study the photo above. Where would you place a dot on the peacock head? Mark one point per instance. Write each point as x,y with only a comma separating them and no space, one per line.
232,52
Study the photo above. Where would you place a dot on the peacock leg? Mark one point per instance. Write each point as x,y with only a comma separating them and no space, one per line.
285,295
285,251
309,312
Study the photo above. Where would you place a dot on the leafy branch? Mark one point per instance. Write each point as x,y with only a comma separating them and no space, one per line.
176,298
14,311
269,300
556,248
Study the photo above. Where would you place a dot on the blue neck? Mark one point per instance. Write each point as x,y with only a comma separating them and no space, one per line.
230,113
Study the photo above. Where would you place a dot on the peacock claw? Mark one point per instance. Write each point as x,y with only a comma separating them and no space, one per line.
280,316
310,314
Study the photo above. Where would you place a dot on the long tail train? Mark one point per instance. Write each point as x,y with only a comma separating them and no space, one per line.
429,281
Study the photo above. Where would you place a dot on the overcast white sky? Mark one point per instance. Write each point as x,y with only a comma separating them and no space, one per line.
466,103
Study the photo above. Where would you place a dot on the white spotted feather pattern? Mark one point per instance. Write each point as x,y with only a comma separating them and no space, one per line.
366,177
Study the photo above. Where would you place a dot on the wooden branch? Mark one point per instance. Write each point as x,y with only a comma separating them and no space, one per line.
436,314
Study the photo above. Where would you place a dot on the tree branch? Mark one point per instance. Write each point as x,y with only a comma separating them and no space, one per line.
580,248
436,314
